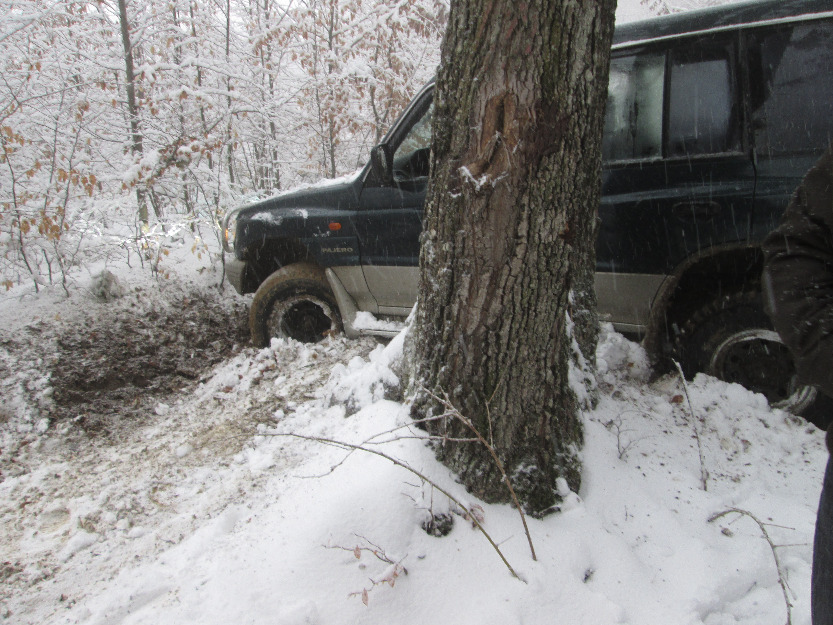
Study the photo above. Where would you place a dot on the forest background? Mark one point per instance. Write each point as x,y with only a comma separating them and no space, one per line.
125,125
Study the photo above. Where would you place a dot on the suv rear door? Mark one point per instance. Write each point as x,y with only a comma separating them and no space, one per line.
678,176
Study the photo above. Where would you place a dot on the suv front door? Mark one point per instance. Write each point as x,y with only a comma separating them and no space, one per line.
389,219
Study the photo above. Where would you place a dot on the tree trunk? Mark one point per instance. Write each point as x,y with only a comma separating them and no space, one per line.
509,235
229,89
132,106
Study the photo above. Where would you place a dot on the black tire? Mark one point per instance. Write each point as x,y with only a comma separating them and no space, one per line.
295,302
732,339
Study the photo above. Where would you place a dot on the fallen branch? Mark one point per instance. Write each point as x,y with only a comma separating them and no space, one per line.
399,463
621,447
452,411
389,576
704,474
762,526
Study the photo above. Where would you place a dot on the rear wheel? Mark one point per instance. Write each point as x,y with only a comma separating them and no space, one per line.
733,340
294,302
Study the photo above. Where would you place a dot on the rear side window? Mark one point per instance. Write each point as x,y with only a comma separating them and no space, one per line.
701,110
633,122
674,103
792,102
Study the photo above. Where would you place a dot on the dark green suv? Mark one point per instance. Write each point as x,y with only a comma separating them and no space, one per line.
713,117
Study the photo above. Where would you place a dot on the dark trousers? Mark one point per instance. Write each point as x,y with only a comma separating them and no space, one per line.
822,587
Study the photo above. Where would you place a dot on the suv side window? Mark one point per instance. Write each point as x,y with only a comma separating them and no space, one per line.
633,121
689,93
793,110
701,105
411,158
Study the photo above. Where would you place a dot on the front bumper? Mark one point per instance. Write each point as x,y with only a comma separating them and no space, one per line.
235,270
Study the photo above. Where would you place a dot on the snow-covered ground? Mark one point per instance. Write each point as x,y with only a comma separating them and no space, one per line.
202,505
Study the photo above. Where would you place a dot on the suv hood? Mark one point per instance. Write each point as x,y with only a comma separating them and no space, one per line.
339,194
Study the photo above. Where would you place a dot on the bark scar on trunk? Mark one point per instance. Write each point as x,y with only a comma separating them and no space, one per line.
496,146
511,138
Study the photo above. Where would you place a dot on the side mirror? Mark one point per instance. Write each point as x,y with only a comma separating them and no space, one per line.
381,162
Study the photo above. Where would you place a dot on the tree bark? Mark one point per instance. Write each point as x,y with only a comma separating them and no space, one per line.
508,239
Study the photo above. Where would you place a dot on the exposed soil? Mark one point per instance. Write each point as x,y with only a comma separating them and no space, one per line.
110,366
112,362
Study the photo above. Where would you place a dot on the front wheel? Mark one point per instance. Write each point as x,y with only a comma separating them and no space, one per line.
295,302
733,340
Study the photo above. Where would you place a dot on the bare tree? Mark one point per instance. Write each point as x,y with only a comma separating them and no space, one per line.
130,85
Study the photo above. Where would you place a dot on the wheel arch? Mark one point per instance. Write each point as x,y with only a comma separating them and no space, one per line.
707,275
265,259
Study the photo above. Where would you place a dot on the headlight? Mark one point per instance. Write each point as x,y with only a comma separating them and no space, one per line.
230,229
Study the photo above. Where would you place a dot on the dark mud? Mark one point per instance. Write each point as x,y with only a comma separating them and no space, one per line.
115,362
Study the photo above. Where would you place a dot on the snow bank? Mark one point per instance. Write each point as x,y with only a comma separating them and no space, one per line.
296,543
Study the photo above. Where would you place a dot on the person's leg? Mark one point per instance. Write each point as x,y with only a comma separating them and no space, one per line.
822,586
